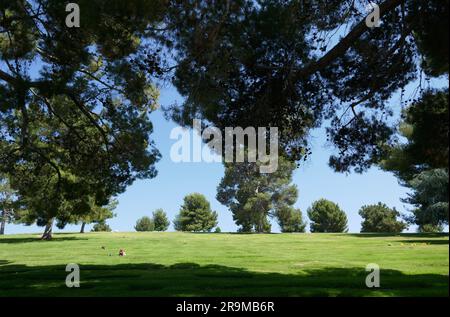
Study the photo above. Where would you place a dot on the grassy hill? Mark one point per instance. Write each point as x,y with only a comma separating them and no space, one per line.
190,264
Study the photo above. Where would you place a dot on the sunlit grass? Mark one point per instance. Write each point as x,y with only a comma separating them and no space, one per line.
189,264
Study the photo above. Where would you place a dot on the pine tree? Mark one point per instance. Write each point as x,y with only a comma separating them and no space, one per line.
195,215
160,220
144,224
326,216
380,218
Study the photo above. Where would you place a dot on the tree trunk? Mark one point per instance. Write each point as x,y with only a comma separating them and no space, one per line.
3,222
82,227
47,235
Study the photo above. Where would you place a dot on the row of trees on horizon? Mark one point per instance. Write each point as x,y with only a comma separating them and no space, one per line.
196,215
274,200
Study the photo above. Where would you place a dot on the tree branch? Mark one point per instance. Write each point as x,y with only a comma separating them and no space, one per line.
346,42
8,78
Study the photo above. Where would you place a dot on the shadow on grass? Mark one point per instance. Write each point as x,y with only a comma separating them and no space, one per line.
420,241
235,233
380,235
191,279
37,239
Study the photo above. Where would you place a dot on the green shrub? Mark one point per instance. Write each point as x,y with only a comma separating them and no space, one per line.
380,218
160,220
101,227
144,224
195,215
326,216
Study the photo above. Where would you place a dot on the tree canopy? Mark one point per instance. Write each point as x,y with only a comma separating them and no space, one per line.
253,196
101,226
160,220
98,214
380,218
421,161
290,219
145,224
326,216
74,102
279,64
195,215
429,198
426,129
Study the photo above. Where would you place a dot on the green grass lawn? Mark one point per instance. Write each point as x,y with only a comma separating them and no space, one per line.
189,264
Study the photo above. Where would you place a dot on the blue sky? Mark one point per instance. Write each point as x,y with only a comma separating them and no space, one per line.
314,179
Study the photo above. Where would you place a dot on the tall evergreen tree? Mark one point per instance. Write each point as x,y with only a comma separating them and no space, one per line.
326,216
421,163
425,126
430,200
195,215
290,219
253,196
77,121
380,218
144,224
160,220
